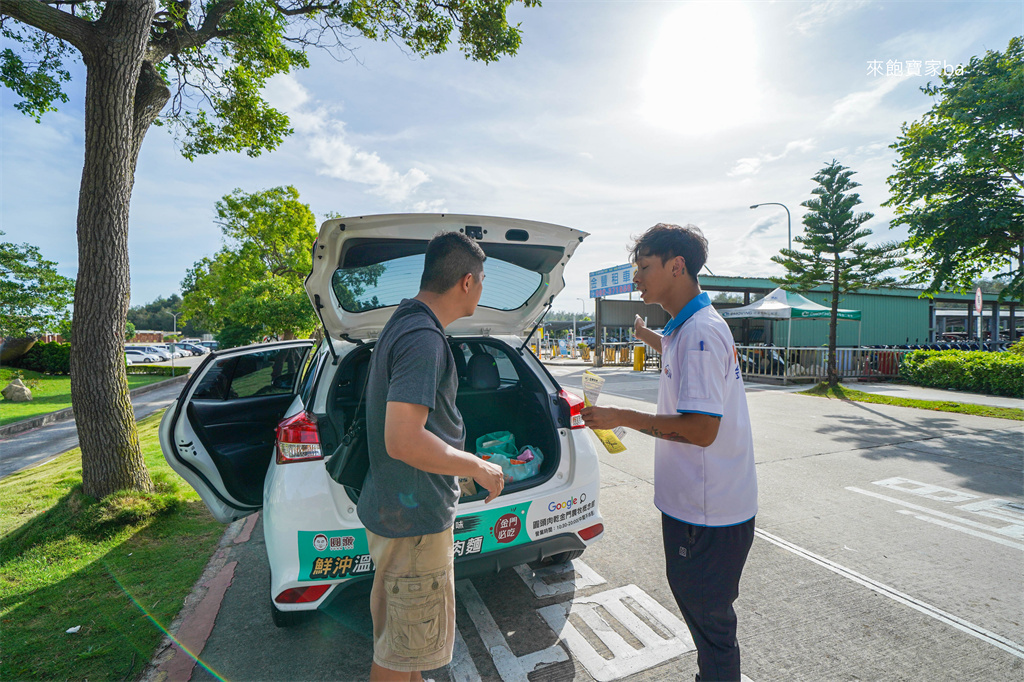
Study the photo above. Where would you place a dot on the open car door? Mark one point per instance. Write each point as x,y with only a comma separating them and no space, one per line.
219,434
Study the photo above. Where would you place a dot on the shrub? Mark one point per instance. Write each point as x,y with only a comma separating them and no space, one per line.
975,371
1017,348
47,358
157,371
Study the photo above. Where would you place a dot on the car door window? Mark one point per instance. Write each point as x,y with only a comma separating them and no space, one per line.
269,372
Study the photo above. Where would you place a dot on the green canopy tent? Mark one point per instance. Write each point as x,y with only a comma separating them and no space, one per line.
786,305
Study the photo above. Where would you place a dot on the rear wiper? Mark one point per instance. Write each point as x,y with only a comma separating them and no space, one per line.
539,320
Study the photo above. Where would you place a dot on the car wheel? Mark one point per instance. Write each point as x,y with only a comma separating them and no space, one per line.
563,557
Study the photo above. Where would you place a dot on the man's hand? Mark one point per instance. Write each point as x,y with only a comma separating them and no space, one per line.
490,477
638,326
601,417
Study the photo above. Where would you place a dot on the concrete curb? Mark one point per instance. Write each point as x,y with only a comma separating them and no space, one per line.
178,653
69,412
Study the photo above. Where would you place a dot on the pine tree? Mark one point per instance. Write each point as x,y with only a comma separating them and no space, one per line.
833,253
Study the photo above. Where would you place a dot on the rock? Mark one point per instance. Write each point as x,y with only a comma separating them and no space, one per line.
17,392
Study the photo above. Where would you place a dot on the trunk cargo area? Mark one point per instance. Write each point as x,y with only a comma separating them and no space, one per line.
513,401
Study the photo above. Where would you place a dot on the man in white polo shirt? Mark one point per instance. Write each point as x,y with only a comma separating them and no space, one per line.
705,484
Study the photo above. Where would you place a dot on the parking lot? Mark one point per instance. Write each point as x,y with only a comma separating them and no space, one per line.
888,546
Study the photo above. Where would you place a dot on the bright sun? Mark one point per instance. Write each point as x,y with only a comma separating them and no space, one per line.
702,73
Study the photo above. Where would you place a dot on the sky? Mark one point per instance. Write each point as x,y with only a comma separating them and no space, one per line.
613,116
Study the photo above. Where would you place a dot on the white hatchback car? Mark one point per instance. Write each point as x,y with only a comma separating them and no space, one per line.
253,425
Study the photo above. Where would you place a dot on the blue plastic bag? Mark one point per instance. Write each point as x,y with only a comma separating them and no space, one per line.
526,464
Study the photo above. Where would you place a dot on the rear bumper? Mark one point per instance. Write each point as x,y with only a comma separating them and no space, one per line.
483,564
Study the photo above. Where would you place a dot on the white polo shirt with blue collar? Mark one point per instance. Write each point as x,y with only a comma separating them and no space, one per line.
716,485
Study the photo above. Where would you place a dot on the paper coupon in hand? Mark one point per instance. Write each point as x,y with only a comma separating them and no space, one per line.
612,440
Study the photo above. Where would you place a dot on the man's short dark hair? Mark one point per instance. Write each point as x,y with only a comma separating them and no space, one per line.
668,241
450,256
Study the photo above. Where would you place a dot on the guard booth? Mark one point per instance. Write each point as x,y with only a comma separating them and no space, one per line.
619,315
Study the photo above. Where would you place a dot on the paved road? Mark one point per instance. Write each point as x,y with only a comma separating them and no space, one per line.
32,448
889,546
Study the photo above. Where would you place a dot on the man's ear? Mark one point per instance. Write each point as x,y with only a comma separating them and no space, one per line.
466,282
682,266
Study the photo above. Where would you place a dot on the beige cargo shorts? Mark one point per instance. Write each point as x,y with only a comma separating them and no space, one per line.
413,601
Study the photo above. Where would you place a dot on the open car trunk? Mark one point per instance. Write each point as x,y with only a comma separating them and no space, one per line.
508,399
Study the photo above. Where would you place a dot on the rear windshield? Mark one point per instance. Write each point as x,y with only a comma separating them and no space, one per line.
506,286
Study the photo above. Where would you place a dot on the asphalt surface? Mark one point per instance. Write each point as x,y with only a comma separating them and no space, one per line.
889,546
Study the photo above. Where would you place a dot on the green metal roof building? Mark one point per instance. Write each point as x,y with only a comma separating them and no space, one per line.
889,315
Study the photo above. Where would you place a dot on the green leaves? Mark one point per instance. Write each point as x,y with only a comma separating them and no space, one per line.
833,252
217,56
33,297
959,180
256,281
37,83
976,371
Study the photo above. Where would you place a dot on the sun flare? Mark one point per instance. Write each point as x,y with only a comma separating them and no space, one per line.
702,71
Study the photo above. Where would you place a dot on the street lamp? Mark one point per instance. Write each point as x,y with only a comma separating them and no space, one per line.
789,224
174,316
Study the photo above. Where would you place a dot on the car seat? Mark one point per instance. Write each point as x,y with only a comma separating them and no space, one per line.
482,372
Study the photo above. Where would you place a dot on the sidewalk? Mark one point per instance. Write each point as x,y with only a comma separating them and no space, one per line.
9,430
39,445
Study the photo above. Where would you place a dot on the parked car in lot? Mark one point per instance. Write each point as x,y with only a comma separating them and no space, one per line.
160,353
170,350
253,425
194,349
136,357
189,349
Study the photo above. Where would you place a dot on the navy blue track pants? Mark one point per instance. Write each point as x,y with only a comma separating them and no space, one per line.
704,565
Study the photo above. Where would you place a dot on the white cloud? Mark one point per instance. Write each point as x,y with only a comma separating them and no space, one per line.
858,105
823,11
329,145
752,165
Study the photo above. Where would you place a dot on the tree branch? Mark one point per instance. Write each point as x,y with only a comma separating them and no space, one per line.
302,9
69,28
174,41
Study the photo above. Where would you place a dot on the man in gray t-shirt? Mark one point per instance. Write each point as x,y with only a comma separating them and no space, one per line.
416,439
412,363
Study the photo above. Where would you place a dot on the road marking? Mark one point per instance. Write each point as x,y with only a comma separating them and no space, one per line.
1000,510
932,492
595,610
545,582
510,667
462,668
966,525
984,635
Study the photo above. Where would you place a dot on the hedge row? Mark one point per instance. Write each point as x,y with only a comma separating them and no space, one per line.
974,371
55,358
158,371
48,358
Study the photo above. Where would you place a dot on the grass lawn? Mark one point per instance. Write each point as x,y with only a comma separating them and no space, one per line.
120,568
50,393
844,393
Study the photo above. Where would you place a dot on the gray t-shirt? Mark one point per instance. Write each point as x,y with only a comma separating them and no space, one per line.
411,363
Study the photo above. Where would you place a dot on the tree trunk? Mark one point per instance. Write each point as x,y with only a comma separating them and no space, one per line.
833,373
111,457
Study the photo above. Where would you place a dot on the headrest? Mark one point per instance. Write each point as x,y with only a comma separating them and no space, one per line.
482,372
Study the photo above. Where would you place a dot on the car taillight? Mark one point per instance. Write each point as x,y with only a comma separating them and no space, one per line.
298,439
592,532
301,595
572,404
